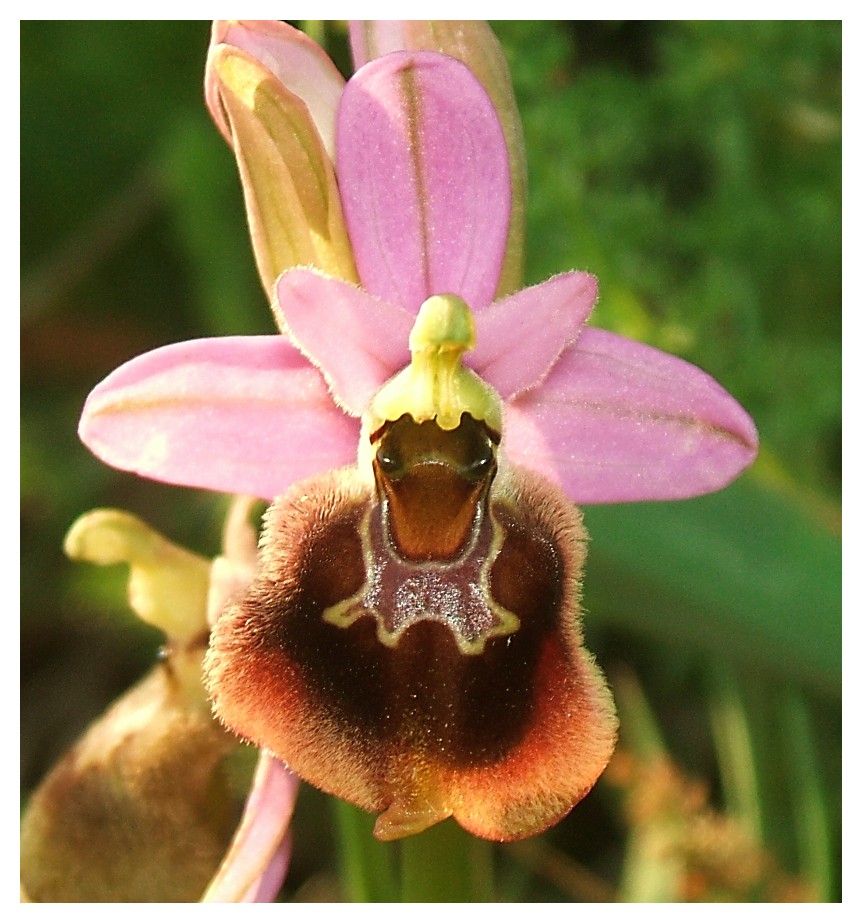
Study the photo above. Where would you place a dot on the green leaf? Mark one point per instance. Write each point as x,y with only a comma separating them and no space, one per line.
744,572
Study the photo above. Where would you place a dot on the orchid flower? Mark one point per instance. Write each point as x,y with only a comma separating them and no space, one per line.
411,641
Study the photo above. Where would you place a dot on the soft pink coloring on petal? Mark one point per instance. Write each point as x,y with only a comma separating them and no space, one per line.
246,415
359,341
265,889
473,43
424,176
619,421
356,340
290,55
519,338
253,869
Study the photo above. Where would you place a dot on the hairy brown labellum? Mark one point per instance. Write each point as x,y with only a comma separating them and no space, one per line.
414,646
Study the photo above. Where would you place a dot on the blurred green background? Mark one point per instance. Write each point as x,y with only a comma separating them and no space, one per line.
695,167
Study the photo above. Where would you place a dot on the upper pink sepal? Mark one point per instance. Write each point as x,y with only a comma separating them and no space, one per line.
618,421
519,338
356,340
244,415
424,174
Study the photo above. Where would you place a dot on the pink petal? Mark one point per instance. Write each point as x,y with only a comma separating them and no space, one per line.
301,65
424,178
265,889
356,340
359,341
255,865
619,421
520,338
244,415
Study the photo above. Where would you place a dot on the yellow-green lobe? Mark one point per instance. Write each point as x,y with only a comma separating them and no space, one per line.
436,385
168,585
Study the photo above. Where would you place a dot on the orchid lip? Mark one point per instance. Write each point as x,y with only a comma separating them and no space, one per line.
374,681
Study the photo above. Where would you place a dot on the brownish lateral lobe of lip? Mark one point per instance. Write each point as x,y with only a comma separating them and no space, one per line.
427,712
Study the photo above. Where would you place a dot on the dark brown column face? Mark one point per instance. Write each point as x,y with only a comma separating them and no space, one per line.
433,482
414,646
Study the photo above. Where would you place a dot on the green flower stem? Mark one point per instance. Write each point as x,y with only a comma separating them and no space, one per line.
367,866
446,864
808,795
736,750
652,870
